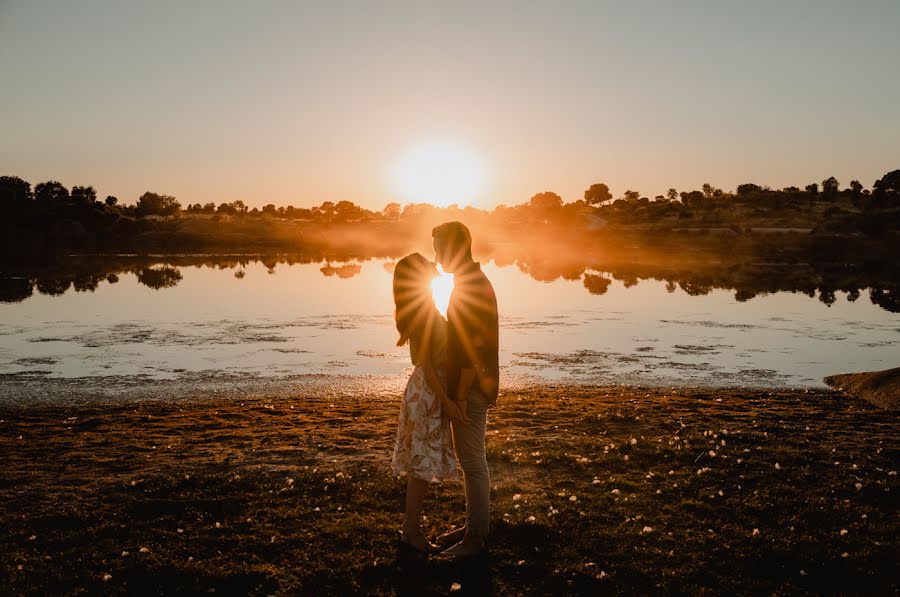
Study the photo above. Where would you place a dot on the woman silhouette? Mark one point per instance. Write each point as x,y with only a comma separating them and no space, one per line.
423,451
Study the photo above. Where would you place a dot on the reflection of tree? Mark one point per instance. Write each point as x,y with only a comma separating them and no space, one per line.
159,277
886,298
596,284
826,296
53,287
548,270
86,282
14,290
695,288
744,279
628,279
344,271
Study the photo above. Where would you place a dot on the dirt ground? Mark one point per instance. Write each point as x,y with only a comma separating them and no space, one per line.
621,490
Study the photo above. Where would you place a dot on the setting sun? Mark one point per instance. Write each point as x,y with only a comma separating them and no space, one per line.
440,173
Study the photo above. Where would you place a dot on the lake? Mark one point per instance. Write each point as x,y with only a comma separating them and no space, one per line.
171,318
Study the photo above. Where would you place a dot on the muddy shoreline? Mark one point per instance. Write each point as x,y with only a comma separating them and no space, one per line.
595,489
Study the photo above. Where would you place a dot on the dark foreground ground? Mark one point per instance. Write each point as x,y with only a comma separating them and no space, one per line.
596,490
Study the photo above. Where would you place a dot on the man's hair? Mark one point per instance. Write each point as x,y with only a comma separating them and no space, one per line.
455,237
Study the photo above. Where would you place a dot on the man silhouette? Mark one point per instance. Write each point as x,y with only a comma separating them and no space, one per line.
473,374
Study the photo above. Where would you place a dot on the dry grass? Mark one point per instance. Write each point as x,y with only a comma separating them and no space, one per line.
613,490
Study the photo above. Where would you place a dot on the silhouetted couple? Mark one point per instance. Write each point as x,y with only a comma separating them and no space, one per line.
455,381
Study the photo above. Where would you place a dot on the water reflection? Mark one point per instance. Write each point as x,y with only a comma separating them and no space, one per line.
159,277
344,271
746,280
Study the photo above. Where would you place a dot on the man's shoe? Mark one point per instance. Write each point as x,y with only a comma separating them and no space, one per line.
451,538
461,550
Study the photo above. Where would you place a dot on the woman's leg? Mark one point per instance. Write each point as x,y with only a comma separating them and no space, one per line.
415,497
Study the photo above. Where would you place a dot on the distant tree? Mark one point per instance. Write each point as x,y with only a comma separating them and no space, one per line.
710,191
111,200
269,209
84,195
391,211
748,188
225,209
209,208
672,195
631,195
791,189
597,194
812,189
659,198
830,186
14,189
239,207
692,198
546,201
347,211
51,192
153,204
856,187
887,188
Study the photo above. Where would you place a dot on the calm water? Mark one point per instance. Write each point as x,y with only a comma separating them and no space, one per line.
337,319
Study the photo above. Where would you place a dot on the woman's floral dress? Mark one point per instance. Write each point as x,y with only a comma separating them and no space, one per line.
424,446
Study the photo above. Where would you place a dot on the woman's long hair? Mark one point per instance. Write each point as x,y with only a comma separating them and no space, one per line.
414,307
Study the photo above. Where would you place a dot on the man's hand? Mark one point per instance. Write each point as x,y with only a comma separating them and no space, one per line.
461,404
455,411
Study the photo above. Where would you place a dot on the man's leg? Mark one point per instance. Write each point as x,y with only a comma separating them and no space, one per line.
469,440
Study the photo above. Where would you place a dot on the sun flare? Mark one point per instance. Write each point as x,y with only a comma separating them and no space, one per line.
440,173
441,287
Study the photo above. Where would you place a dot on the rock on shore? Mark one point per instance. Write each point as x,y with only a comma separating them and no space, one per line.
881,388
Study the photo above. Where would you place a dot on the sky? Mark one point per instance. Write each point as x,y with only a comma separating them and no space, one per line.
304,102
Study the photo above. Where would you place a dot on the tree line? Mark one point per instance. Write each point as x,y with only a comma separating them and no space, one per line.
17,195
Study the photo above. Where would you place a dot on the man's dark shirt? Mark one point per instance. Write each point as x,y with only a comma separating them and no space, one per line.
473,339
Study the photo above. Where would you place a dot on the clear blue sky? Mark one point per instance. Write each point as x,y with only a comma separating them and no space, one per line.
290,102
